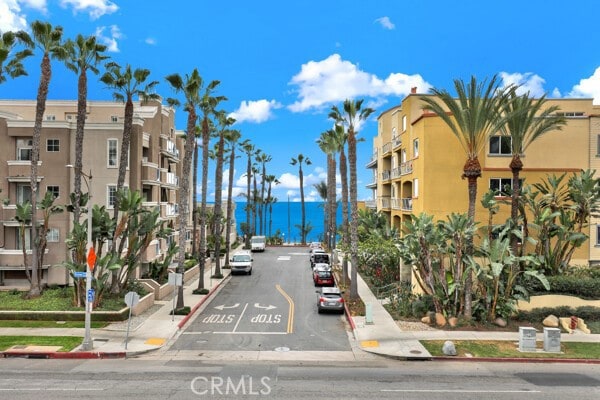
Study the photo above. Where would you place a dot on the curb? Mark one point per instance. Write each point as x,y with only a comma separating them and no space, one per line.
78,355
518,360
201,302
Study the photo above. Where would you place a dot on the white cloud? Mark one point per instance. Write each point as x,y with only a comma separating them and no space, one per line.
292,181
556,94
333,80
109,41
151,41
255,111
39,5
386,23
527,82
11,18
588,87
96,8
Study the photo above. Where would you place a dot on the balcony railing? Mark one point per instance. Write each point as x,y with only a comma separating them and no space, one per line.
170,209
386,175
395,203
170,148
407,204
385,202
396,141
406,167
387,148
396,173
371,204
373,161
171,179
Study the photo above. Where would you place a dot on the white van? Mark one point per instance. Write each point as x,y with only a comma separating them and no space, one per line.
258,243
241,262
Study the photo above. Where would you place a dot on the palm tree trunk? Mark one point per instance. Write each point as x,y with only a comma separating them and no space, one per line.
248,201
194,208
205,140
79,132
353,215
303,213
229,205
184,211
515,165
42,95
345,230
218,202
472,171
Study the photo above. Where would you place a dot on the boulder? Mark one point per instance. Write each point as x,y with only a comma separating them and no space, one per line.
448,348
453,321
426,320
440,320
551,321
501,322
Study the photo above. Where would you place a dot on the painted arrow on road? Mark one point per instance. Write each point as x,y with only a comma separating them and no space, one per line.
223,306
269,307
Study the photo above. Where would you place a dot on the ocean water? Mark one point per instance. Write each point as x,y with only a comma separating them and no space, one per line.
286,216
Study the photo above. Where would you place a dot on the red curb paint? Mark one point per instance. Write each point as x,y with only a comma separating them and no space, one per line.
197,306
76,355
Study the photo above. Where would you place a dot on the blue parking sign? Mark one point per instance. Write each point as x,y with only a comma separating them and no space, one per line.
91,294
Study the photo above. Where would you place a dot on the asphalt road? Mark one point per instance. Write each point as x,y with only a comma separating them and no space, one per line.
274,309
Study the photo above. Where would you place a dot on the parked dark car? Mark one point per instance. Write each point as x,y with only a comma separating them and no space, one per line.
330,299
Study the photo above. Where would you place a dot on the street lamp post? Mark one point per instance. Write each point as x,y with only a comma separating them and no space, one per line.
88,343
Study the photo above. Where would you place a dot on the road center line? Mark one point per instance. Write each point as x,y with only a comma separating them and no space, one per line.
290,326
240,318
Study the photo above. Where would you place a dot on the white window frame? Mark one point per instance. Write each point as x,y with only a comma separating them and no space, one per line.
416,148
403,156
500,138
114,118
18,244
55,143
28,146
109,144
50,117
501,184
57,192
53,235
20,192
109,190
404,123
415,188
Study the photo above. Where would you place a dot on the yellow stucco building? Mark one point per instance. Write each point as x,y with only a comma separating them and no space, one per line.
417,164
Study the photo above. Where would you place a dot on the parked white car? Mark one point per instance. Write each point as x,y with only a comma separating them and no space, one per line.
241,262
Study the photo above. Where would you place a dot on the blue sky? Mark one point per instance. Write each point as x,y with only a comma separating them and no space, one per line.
283,64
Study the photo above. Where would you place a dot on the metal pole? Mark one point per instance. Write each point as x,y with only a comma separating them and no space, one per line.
88,344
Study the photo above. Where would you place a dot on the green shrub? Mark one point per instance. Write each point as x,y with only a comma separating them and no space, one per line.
422,305
181,311
587,313
586,288
200,291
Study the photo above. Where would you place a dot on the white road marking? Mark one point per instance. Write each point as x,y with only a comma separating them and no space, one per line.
239,319
222,306
253,333
458,391
283,258
269,307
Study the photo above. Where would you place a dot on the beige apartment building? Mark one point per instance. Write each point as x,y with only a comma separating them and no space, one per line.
417,164
154,169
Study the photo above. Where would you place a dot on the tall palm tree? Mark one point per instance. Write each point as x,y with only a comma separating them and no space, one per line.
341,138
224,124
231,136
299,160
11,62
321,189
84,54
248,148
270,180
526,121
472,118
328,143
197,133
262,159
352,114
126,84
208,105
189,86
48,40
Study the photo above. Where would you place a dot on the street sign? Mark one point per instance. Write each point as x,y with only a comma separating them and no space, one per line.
79,274
132,298
91,294
175,279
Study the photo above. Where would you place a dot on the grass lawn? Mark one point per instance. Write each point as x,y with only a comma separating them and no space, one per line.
507,349
67,343
60,299
49,324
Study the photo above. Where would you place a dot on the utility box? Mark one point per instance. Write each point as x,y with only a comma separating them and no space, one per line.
526,338
552,340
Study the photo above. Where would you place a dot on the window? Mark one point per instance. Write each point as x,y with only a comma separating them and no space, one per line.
570,114
111,196
114,118
24,149
416,188
501,186
501,145
52,145
27,235
50,117
112,153
53,235
415,148
55,190
403,123
598,235
23,193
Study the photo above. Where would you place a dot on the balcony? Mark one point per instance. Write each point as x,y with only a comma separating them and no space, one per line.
395,203
150,174
371,204
371,185
169,149
385,202
386,150
406,167
396,141
19,170
170,179
12,259
169,210
407,204
373,162
396,173
386,175
9,214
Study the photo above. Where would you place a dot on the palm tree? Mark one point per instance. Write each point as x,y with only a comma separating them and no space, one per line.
248,148
83,54
262,159
341,138
224,123
231,136
48,40
329,145
11,63
270,180
473,117
126,84
299,160
189,86
352,114
526,121
208,104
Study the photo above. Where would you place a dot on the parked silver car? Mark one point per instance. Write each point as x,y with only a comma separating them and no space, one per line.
330,299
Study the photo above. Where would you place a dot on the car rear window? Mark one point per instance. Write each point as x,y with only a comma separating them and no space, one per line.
324,274
321,258
331,295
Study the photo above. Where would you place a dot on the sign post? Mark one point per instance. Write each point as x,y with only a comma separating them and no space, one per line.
131,299
176,280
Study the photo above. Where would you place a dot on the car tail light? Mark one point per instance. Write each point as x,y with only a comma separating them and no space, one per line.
322,300
341,299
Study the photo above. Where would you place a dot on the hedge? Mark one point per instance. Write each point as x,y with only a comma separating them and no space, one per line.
587,313
581,287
